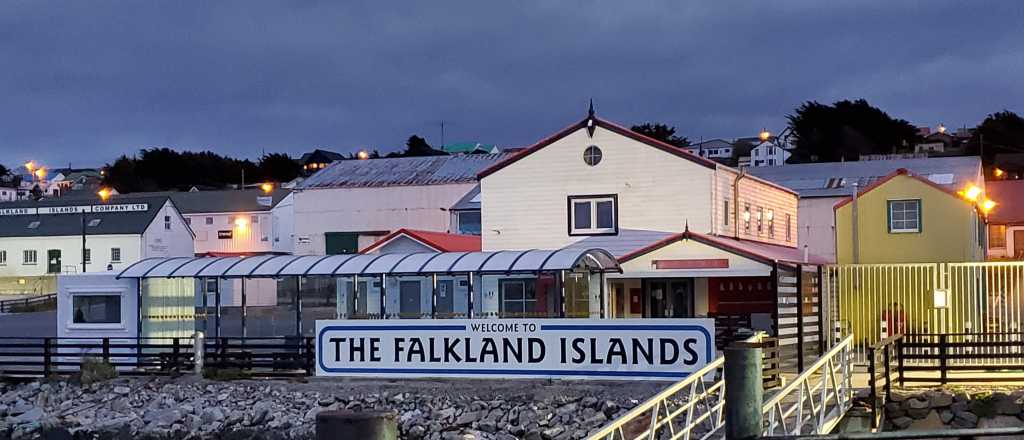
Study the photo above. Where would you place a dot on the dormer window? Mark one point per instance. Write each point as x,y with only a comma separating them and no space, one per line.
94,222
33,225
593,215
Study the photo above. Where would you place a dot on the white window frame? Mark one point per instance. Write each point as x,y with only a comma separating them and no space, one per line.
25,257
593,201
3,257
889,216
115,255
87,255
70,318
209,220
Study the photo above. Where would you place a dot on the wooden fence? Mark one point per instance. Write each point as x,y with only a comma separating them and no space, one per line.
35,357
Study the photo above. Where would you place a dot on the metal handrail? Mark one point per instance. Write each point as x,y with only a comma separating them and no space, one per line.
655,404
710,398
835,396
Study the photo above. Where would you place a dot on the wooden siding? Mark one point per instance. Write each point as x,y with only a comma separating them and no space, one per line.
758,194
524,205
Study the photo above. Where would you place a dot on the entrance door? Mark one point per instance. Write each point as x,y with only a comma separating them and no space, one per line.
445,298
671,298
1018,243
53,261
409,293
636,302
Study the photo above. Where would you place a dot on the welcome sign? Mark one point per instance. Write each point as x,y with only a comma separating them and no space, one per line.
661,349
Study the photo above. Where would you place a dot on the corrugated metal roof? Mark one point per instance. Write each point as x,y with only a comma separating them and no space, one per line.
834,179
402,171
52,225
202,202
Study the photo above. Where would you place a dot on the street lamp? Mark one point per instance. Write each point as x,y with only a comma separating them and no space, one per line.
764,135
267,187
363,155
104,195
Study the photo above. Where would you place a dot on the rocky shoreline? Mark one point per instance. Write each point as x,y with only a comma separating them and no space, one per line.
917,410
194,408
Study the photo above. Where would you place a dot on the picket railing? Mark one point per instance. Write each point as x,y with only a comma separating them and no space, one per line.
816,400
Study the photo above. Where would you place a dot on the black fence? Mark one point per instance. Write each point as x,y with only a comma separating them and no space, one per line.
882,360
29,304
260,357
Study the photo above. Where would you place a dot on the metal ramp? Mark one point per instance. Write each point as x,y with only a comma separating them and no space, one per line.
812,403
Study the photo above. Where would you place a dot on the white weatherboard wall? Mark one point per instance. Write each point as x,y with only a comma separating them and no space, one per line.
371,209
818,226
70,249
524,205
758,194
96,284
254,237
160,241
283,227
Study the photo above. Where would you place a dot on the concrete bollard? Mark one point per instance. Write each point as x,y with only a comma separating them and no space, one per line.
744,393
363,425
199,352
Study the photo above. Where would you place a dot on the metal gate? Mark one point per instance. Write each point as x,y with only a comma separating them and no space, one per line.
874,301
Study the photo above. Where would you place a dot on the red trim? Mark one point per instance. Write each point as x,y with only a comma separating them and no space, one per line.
610,126
890,176
704,263
713,241
438,241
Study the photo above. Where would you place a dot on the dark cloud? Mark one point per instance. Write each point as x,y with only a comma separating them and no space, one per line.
83,82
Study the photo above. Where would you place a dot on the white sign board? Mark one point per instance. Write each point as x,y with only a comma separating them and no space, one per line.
76,209
662,349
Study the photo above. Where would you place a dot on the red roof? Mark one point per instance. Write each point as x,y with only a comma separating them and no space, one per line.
598,122
890,176
1009,196
439,241
763,252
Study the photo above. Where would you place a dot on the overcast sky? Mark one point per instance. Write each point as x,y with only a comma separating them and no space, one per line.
85,81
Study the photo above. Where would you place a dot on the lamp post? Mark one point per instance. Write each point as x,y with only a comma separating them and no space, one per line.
104,195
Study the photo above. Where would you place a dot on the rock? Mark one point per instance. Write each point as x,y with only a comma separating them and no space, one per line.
902,422
1005,405
1000,421
122,390
940,399
609,408
552,433
931,422
919,413
488,425
965,420
416,432
946,416
916,403
213,414
589,402
467,418
30,416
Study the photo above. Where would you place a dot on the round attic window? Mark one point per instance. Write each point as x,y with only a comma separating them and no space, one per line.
592,155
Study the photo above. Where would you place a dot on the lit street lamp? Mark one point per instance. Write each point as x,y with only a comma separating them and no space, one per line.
104,194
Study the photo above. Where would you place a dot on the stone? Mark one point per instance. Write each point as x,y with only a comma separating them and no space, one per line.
30,416
902,422
965,420
467,418
916,403
931,422
946,416
919,413
552,433
1005,405
122,390
211,415
940,399
1001,421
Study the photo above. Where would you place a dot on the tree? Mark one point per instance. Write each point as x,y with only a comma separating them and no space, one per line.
661,132
278,167
1000,132
162,169
416,146
847,130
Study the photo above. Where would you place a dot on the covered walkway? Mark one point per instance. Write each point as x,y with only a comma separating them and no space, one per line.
505,284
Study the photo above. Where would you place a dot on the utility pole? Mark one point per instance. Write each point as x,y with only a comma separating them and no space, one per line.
442,135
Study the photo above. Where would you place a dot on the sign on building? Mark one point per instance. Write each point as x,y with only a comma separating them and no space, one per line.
665,349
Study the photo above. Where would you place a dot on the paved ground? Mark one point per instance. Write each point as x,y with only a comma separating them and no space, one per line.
35,324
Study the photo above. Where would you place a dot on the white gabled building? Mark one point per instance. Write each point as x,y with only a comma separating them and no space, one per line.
238,222
767,154
352,204
39,240
694,237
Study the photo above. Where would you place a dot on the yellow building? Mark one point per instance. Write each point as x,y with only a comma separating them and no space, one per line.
906,218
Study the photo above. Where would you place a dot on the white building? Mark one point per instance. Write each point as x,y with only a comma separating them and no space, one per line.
767,154
352,203
822,185
45,238
712,149
238,222
693,236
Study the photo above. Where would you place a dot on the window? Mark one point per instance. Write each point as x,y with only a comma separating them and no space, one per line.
726,213
760,220
592,155
592,215
771,223
29,257
94,222
115,255
3,258
746,217
254,219
518,298
167,223
904,216
789,228
33,225
468,222
209,220
96,309
996,238
87,255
